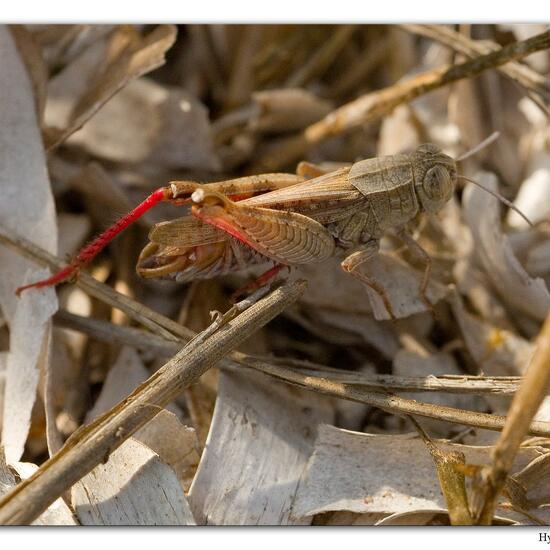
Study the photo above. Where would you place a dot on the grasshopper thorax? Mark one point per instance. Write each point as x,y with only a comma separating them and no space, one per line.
435,176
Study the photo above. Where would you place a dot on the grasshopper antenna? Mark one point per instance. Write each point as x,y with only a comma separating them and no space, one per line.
485,143
500,198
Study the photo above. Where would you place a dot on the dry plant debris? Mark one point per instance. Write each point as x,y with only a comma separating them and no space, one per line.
123,401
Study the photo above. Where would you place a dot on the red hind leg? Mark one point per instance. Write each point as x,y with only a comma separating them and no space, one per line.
92,249
262,280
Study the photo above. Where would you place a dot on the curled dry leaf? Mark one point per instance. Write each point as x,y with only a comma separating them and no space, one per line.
347,518
259,443
516,288
365,473
134,487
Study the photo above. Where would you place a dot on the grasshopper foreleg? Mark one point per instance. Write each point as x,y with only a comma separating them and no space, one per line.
423,257
352,263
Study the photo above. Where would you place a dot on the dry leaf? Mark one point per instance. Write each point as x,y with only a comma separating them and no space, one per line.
175,443
533,199
401,284
497,351
58,513
259,443
27,204
123,378
30,333
134,487
128,56
147,122
365,473
399,132
287,109
27,207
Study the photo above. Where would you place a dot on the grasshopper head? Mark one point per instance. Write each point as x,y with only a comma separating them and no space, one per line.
435,175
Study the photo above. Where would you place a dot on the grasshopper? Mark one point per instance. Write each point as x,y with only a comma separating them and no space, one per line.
288,220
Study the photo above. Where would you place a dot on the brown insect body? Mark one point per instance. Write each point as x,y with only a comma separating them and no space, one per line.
299,221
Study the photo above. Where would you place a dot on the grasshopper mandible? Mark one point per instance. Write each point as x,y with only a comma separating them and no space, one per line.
288,220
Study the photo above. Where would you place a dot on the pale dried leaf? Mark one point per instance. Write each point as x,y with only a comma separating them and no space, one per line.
420,517
331,288
498,352
533,199
287,109
58,513
123,378
366,473
259,443
72,231
67,86
128,56
348,518
149,122
134,487
537,262
517,289
175,443
27,204
27,207
399,132
30,333
401,284
31,54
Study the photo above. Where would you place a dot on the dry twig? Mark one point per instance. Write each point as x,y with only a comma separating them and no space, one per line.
524,75
522,410
373,105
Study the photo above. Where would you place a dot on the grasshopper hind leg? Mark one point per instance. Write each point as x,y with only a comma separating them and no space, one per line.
353,262
257,283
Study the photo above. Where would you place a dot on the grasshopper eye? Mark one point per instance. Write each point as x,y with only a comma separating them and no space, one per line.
437,183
